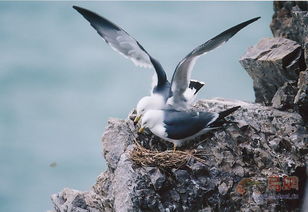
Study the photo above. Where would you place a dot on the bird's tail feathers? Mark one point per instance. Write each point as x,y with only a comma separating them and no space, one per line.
220,121
227,112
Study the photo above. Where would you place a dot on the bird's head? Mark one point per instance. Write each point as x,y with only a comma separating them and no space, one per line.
148,103
150,119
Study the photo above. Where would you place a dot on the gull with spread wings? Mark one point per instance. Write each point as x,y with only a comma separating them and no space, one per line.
180,93
120,41
164,111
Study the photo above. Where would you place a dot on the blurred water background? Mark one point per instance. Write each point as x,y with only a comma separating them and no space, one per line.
60,82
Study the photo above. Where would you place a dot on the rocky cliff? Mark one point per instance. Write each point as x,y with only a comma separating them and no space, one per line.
278,66
256,164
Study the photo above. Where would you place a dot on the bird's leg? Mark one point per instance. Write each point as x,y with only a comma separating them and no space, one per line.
174,147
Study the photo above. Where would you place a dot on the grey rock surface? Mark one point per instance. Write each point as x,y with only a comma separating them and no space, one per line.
301,98
290,20
267,142
284,96
276,63
271,63
77,201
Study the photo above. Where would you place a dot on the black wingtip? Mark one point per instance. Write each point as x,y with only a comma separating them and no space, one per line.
81,10
244,24
84,12
196,85
77,8
256,18
252,20
235,29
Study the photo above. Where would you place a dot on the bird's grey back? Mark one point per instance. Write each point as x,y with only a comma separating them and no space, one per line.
182,124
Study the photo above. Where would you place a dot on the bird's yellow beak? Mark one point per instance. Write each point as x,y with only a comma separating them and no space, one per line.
141,130
136,120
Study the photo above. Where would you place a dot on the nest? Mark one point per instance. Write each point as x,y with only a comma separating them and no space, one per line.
166,159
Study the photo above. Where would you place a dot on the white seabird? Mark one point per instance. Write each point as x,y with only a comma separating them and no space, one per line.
179,126
123,43
180,93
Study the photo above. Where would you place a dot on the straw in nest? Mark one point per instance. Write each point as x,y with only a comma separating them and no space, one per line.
166,159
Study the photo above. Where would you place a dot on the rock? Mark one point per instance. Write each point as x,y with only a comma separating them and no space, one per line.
112,149
273,143
223,188
239,171
301,98
275,61
284,97
181,176
157,177
73,200
271,63
306,53
197,168
257,197
289,20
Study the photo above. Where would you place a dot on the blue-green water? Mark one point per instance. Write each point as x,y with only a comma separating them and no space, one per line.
59,82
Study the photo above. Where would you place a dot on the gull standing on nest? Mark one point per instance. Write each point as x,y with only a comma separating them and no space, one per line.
177,125
164,110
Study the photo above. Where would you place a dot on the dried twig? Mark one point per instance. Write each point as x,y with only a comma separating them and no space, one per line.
165,159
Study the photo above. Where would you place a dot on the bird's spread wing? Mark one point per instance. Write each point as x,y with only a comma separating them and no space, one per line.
183,124
182,73
117,38
122,42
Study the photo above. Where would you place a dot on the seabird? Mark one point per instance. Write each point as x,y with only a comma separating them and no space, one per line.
179,126
180,93
126,45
